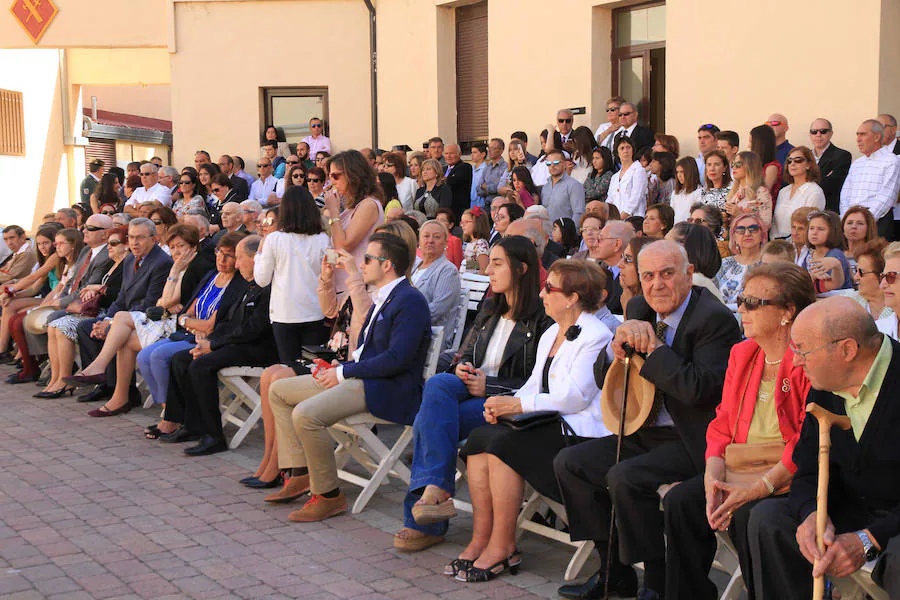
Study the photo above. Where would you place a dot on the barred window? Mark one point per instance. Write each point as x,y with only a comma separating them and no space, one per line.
12,124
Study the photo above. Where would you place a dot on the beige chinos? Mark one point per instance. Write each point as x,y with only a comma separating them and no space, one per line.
304,411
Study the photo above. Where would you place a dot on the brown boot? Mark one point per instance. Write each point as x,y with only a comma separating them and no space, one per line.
319,508
294,487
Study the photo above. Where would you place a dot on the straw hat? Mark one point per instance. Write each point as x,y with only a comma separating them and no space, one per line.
641,394
36,320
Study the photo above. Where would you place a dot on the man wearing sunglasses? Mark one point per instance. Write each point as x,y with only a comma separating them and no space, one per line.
855,371
316,140
383,376
605,131
834,162
874,178
628,119
562,195
779,124
686,335
264,187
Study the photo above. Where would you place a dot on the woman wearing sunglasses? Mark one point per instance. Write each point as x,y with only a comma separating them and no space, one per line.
890,286
748,194
826,262
747,236
763,402
803,189
867,277
188,185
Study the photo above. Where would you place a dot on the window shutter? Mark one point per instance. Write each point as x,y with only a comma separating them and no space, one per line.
472,72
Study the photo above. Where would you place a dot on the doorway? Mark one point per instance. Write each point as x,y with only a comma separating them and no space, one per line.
639,60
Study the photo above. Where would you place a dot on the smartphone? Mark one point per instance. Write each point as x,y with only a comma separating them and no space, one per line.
331,256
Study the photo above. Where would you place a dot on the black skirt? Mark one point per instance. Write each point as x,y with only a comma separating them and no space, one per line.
529,453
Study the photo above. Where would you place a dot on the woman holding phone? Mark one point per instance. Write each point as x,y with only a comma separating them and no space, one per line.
290,259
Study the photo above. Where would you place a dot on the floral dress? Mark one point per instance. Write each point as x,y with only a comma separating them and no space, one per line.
471,251
597,187
730,279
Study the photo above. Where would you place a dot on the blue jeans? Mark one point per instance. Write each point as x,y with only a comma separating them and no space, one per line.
447,415
153,362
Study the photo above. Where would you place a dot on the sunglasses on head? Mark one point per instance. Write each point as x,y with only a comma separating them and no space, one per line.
706,127
889,276
822,131
774,123
751,303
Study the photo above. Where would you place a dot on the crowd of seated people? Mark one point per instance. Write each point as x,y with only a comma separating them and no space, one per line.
718,270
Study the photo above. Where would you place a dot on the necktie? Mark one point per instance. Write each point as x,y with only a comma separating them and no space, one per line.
80,274
658,401
661,331
137,263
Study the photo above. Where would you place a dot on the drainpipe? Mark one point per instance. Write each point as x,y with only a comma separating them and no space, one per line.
373,70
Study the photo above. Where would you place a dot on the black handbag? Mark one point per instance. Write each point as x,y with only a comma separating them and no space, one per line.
537,418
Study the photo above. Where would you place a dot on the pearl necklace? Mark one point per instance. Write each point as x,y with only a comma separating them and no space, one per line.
776,362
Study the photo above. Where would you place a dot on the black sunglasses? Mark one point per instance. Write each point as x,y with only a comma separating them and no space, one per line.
819,131
94,228
751,303
313,180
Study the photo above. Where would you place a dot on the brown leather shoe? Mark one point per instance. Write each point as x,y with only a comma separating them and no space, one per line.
294,487
319,508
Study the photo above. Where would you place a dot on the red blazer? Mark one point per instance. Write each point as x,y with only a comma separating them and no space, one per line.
454,251
791,388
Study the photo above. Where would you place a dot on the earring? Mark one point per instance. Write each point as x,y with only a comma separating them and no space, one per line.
568,306
784,322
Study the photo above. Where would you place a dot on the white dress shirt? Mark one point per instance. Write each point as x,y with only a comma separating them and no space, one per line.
824,150
611,140
158,192
891,145
260,189
602,129
378,300
701,166
628,191
872,182
317,144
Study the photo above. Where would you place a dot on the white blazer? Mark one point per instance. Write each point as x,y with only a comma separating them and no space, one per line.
629,191
573,390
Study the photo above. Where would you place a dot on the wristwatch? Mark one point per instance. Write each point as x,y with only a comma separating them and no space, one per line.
334,220
868,546
182,320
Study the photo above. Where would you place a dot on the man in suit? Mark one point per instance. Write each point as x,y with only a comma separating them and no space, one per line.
834,162
495,236
21,259
239,185
89,183
144,277
686,335
458,175
384,377
640,135
242,337
855,371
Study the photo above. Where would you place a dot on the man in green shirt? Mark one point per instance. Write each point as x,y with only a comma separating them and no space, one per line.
89,183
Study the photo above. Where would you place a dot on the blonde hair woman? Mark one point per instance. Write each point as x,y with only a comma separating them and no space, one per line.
432,194
748,192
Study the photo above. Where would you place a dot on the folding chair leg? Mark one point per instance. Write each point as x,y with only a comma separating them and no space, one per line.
581,556
244,429
388,462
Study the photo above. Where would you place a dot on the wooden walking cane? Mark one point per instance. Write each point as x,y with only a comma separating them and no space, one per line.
826,419
612,511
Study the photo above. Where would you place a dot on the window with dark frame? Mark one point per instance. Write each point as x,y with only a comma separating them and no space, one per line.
289,109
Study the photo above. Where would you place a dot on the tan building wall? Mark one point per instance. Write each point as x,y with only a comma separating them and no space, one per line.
154,101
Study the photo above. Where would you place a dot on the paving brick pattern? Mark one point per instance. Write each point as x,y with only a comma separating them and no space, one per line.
91,509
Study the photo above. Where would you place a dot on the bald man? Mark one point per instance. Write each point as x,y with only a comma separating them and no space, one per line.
686,335
854,370
779,124
458,176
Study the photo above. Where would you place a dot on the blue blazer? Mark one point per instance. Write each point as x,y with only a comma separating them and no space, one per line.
141,289
393,357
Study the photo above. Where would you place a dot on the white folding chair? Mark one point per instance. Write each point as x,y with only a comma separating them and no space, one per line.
461,320
727,561
356,440
534,505
240,402
475,286
860,584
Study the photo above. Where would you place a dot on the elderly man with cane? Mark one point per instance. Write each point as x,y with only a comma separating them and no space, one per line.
684,335
854,371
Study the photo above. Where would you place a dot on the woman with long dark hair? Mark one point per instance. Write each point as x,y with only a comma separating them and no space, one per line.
107,192
291,260
496,357
762,143
525,190
565,233
596,185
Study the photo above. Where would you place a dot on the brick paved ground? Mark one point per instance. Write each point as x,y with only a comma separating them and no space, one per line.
90,509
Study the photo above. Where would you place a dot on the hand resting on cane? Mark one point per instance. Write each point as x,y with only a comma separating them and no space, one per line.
844,554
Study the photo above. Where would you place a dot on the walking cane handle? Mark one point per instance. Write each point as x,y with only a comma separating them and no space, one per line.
826,418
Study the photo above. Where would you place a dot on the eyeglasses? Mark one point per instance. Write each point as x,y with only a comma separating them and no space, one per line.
564,120
737,165
313,180
552,162
889,276
114,243
107,212
268,221
697,221
552,288
748,229
335,176
585,230
370,257
247,211
220,252
188,182
774,123
156,221
751,303
64,242
146,174
297,175
315,125
626,114
293,162
862,273
628,260
216,189
797,159
94,228
805,355
822,131
261,165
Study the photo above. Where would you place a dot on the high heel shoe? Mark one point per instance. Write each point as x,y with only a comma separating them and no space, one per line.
259,484
475,574
66,391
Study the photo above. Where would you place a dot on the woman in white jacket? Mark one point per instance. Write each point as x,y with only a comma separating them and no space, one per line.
501,459
628,187
291,260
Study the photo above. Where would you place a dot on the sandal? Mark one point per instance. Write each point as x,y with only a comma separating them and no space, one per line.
458,565
478,575
430,509
152,432
412,540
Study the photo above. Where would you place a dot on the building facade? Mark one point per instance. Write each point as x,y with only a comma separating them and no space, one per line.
219,70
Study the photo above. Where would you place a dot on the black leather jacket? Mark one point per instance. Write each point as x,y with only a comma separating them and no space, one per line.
519,354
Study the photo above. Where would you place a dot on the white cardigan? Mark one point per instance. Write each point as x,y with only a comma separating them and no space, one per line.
808,194
573,390
629,192
291,262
